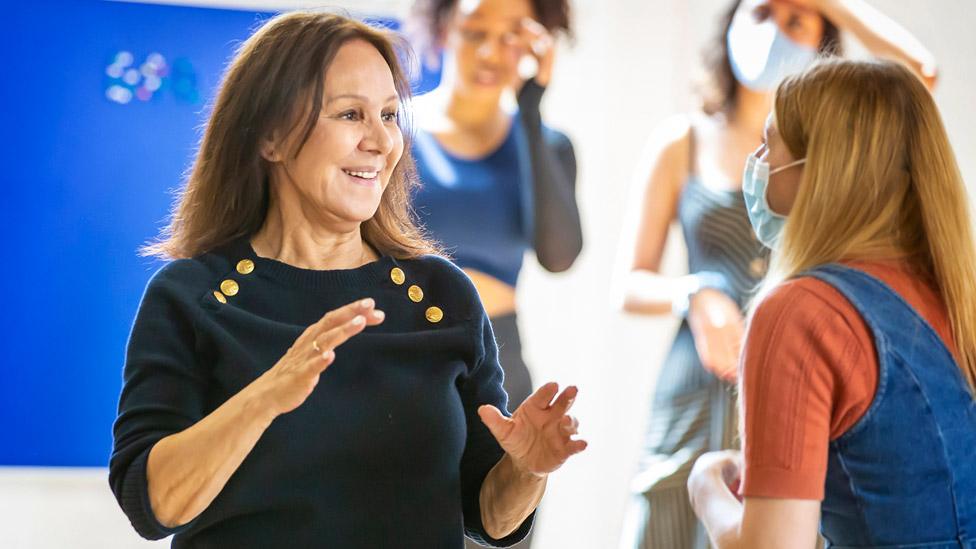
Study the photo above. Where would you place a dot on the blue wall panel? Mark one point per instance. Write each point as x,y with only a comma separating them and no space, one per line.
87,180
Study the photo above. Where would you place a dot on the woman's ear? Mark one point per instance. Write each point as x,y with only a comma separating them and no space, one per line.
268,151
271,147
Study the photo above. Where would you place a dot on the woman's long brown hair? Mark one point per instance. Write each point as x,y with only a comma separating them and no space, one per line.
275,84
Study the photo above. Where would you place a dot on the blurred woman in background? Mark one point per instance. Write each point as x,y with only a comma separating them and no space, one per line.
496,181
693,166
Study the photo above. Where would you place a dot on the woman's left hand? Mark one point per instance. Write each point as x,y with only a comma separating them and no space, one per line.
541,45
538,436
715,471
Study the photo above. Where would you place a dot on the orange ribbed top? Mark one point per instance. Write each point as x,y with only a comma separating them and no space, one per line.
809,372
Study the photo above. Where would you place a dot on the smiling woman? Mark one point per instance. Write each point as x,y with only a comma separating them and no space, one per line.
292,238
333,176
256,126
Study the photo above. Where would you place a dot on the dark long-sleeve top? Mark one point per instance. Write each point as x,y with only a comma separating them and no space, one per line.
387,451
488,211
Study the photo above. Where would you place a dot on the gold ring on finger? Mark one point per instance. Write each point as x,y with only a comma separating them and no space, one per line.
315,345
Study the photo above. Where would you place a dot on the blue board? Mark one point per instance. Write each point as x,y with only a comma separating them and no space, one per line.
103,105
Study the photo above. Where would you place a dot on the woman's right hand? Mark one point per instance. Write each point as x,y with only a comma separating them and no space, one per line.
540,44
718,328
289,382
187,470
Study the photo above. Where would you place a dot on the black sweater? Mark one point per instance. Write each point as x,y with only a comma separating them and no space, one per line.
387,451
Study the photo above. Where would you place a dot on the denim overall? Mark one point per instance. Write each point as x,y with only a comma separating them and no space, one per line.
904,476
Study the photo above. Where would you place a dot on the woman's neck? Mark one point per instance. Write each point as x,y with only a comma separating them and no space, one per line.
471,112
467,110
750,110
296,240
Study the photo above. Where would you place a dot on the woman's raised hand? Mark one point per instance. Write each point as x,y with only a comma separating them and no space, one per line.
289,382
538,436
541,45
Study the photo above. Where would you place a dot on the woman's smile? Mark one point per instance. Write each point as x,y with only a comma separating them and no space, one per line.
362,175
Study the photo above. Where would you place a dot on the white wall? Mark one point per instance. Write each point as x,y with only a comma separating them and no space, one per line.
630,68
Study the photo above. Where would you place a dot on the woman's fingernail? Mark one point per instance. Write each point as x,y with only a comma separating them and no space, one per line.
378,314
366,302
359,320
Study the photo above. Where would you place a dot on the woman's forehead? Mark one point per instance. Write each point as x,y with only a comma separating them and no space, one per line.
777,7
359,69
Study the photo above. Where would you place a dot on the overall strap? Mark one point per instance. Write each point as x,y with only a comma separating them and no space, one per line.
913,360
881,307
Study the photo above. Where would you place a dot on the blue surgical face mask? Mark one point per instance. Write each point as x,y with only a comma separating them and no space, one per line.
761,55
767,224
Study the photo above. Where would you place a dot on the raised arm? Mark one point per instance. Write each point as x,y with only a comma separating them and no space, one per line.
537,440
165,453
187,470
558,234
880,34
507,459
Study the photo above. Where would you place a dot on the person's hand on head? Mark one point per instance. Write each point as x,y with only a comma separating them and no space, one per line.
541,45
813,5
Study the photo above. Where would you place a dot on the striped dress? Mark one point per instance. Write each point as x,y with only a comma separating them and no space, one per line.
692,411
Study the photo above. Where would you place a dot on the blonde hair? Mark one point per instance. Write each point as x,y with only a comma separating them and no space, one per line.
276,77
880,173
